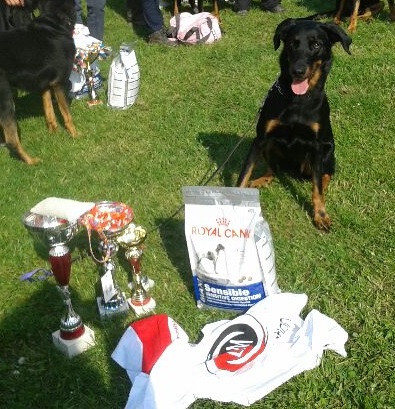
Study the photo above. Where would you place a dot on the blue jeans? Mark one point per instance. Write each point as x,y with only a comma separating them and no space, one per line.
149,10
94,16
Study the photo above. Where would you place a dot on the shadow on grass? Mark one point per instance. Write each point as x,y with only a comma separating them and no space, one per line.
317,6
172,235
47,378
228,152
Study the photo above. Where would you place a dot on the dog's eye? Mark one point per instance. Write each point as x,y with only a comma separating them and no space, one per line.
315,45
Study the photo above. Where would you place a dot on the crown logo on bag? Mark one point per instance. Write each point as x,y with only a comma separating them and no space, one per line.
223,221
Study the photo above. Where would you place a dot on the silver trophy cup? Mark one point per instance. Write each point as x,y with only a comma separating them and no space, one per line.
55,233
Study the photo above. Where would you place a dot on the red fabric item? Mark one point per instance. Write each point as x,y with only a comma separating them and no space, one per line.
155,337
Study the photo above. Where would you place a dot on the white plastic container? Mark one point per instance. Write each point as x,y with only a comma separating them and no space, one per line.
123,79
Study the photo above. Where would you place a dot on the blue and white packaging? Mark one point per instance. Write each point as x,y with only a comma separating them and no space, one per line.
230,247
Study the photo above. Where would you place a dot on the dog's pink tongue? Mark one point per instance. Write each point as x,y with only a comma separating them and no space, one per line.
299,87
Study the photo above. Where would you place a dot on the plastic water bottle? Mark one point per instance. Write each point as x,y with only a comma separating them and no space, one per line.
124,78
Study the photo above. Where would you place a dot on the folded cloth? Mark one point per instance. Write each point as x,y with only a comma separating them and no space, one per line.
144,342
61,208
239,360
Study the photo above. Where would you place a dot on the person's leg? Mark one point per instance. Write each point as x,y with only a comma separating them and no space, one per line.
152,15
78,11
95,17
242,6
134,12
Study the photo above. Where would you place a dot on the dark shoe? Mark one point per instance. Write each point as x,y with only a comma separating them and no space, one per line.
241,7
171,32
276,9
160,37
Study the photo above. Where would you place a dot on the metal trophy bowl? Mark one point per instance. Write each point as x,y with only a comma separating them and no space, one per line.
51,231
109,219
55,233
132,241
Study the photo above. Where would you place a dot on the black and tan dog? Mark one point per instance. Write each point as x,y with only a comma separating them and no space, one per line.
360,9
294,133
355,10
38,58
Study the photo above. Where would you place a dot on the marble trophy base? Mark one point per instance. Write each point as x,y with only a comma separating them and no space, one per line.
76,346
147,284
142,309
107,313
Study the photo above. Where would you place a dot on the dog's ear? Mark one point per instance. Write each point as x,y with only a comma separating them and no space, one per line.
337,34
281,31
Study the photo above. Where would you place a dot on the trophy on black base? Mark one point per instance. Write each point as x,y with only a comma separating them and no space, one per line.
73,337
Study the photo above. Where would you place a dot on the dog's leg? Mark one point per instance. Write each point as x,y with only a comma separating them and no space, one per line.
216,10
248,167
64,109
264,180
256,151
9,125
391,6
49,112
354,17
12,140
175,8
338,16
372,11
321,218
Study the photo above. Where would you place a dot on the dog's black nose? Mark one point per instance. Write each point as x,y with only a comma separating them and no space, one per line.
299,71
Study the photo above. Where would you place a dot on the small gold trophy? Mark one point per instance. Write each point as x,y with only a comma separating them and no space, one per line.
132,241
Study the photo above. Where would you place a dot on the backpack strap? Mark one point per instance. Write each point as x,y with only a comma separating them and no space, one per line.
206,37
191,32
195,30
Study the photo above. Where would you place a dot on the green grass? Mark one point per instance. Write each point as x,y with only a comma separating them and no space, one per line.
195,104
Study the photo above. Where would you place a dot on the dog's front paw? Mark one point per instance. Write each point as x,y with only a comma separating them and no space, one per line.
322,220
352,27
261,182
337,20
32,161
52,128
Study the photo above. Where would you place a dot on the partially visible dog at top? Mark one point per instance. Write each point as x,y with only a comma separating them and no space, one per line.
294,133
355,9
38,57
360,9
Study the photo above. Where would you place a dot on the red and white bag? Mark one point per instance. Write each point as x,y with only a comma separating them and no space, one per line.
200,28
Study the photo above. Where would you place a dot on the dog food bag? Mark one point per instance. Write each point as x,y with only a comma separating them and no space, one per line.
230,247
124,79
